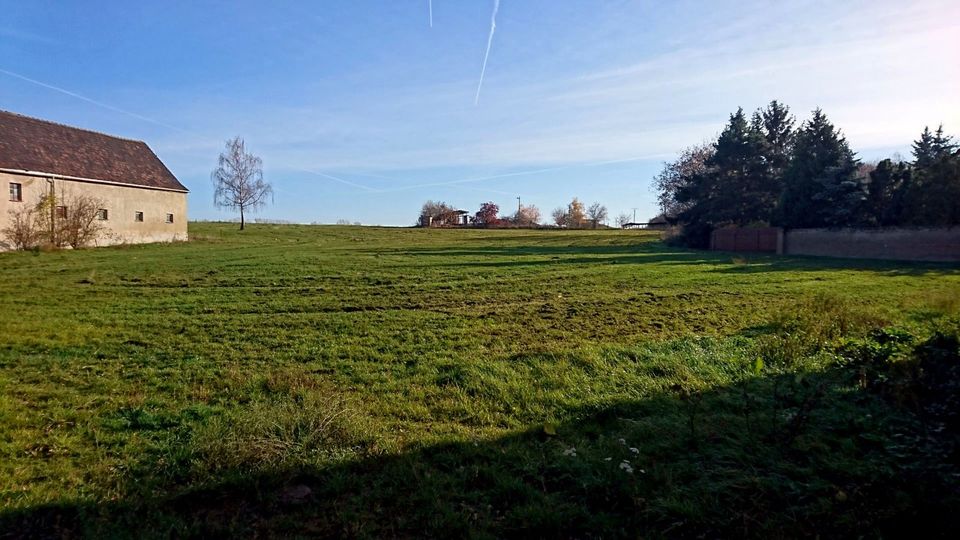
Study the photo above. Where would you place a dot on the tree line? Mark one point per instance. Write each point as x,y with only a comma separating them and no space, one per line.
766,170
575,215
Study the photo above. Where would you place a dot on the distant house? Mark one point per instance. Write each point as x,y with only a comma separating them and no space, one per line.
142,200
659,222
453,218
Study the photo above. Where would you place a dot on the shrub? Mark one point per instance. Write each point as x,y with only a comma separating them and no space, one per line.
39,225
22,232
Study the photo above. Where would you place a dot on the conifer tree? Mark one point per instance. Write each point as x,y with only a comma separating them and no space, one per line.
733,188
821,187
889,182
776,124
933,195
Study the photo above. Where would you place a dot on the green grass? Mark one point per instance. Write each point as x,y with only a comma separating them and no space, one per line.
467,382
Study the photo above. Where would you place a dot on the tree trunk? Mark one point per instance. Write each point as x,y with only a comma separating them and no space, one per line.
241,218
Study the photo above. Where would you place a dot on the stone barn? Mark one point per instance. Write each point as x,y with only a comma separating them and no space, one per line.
142,201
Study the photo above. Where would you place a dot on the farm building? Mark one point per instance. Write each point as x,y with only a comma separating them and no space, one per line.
140,200
659,222
452,218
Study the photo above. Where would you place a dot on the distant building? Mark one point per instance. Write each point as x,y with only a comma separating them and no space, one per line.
454,218
659,222
142,200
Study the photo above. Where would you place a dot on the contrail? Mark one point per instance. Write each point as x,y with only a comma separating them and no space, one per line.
159,123
430,3
93,101
493,28
336,179
498,191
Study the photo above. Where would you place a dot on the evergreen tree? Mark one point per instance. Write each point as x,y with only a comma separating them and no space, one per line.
821,185
923,154
733,188
933,194
776,124
886,191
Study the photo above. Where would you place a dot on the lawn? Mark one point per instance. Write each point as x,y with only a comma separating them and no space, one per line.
354,381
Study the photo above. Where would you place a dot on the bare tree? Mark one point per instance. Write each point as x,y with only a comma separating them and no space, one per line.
597,214
22,231
73,221
435,213
527,216
623,219
238,180
559,216
677,174
82,222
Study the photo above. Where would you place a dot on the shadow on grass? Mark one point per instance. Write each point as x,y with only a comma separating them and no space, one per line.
659,253
775,456
743,263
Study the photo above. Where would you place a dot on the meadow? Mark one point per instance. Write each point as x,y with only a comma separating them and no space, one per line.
370,382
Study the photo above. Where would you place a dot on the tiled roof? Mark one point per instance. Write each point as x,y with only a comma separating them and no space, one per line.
40,146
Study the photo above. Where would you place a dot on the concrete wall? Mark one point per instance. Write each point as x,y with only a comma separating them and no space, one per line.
121,202
890,243
761,239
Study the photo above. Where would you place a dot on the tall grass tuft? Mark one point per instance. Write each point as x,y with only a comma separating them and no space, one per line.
812,325
277,433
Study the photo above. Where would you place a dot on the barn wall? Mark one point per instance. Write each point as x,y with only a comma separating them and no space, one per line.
121,202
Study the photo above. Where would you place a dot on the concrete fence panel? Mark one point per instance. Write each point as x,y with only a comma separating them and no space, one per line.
754,239
889,243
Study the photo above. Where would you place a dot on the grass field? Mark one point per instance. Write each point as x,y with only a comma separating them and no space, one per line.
347,381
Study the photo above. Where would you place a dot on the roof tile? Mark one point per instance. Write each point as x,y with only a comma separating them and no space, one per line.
38,145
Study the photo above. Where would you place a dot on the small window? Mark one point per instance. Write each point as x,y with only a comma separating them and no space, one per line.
62,212
16,192
169,218
138,216
102,214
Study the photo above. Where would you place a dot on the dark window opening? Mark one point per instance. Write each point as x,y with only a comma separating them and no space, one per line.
16,192
138,216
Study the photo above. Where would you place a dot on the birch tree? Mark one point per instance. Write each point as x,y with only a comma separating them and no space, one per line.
238,180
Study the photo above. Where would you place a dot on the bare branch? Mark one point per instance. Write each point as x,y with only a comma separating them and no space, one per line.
238,182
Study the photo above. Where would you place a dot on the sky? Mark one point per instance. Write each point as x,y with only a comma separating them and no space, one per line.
361,110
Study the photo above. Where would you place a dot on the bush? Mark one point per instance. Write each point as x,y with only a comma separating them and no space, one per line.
22,232
39,225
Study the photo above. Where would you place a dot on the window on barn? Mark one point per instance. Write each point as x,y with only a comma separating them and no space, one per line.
16,192
62,212
169,218
138,216
102,214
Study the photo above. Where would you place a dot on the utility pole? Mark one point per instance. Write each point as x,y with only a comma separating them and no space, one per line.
518,205
634,215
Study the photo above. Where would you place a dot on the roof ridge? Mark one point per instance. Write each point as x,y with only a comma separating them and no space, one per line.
95,132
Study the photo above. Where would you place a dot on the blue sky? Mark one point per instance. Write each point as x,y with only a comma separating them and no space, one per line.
580,98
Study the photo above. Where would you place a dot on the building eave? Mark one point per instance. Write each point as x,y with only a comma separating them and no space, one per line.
41,174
